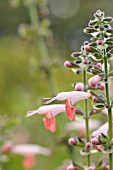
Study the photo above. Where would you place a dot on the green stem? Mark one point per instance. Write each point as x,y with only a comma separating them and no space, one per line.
42,47
86,116
109,106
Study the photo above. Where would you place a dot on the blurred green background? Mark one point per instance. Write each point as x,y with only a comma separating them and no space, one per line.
23,84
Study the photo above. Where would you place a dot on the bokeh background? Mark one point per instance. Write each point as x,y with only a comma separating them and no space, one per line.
23,81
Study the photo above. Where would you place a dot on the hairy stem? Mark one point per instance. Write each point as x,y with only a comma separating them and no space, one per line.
42,48
86,115
109,106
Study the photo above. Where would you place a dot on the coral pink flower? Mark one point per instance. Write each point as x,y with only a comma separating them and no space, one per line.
52,110
70,110
50,122
93,81
74,96
28,151
29,161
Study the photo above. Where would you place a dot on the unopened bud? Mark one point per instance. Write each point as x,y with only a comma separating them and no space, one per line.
99,65
67,64
70,167
91,168
7,147
86,61
72,141
106,167
86,47
98,147
95,99
101,86
79,87
93,81
99,42
94,141
88,145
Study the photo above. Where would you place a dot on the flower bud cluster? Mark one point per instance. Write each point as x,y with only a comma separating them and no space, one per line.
91,59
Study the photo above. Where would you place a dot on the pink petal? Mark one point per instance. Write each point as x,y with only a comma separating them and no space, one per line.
29,161
70,110
54,109
50,122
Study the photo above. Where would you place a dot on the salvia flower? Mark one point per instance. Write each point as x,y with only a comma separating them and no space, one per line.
27,150
74,96
50,111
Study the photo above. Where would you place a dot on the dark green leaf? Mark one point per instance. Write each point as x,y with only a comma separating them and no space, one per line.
107,19
110,74
90,30
110,31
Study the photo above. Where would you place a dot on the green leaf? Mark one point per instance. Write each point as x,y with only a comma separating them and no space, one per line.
108,19
90,30
110,74
92,22
110,31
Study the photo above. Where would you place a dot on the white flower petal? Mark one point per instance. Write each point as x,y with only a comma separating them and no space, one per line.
29,149
78,125
54,109
102,129
74,96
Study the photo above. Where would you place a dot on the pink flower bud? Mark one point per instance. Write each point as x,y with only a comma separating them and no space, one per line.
72,141
79,87
93,81
67,64
95,99
7,147
99,42
86,47
99,65
98,147
70,167
88,145
106,167
86,61
94,141
91,168
101,86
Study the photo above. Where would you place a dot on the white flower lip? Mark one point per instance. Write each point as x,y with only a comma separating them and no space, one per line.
54,109
74,96
102,129
30,149
77,125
